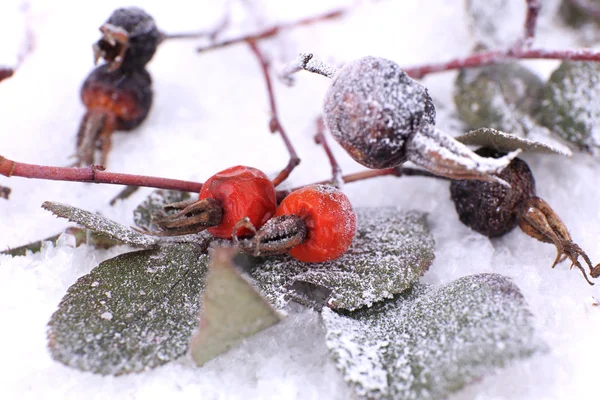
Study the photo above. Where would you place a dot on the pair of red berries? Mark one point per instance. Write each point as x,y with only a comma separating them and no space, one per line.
314,224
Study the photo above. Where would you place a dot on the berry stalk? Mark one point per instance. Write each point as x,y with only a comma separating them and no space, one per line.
274,123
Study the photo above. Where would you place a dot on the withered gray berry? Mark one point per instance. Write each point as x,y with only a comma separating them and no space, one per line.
373,109
490,208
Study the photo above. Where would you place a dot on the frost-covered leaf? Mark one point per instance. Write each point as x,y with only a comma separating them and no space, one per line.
570,104
142,215
100,224
131,313
232,309
498,96
391,250
502,141
429,342
492,21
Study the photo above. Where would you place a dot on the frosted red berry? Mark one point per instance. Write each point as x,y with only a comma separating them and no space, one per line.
241,192
330,221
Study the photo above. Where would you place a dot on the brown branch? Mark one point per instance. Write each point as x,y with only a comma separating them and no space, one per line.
93,173
368,174
274,30
531,18
274,123
336,171
484,58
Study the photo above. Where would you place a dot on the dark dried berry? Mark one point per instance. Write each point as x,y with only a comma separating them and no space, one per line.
130,39
490,208
373,109
115,100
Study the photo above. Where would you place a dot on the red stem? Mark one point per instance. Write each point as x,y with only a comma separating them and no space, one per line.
336,171
533,11
93,173
484,58
274,123
274,30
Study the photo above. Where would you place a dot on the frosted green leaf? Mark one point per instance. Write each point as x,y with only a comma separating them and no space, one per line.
391,250
142,215
506,142
232,310
570,104
100,224
429,342
131,313
498,96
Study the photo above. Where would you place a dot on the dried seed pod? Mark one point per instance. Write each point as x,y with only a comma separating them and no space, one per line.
488,207
115,100
383,118
493,210
130,39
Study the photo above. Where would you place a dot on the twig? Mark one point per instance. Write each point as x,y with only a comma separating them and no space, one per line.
336,171
533,11
274,123
368,174
274,30
484,58
212,34
93,173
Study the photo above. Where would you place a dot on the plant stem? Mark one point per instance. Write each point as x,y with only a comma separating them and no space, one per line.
274,30
93,173
484,58
274,123
336,171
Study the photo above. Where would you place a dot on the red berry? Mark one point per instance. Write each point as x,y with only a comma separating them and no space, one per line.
329,218
241,192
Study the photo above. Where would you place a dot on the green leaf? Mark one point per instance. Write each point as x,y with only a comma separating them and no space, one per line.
570,104
100,224
142,215
431,341
498,96
391,250
131,313
232,309
502,141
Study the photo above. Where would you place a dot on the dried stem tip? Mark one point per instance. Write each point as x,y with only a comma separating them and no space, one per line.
305,61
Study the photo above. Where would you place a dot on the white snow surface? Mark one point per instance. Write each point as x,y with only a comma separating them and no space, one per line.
211,112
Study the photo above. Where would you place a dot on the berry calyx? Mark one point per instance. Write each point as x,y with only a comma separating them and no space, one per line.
330,221
129,40
115,100
314,224
234,194
241,192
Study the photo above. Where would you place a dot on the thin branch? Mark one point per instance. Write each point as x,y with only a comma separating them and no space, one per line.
531,18
274,123
211,34
274,30
93,173
368,174
484,58
336,171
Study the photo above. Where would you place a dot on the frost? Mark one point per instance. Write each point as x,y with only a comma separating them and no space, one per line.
120,318
391,250
232,310
99,224
431,341
570,104
373,107
492,21
502,141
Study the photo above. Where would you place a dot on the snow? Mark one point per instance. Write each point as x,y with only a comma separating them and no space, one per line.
210,112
